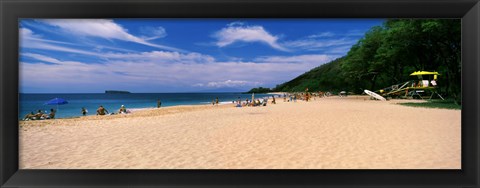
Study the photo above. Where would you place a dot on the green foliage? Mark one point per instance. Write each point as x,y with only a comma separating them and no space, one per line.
322,78
388,54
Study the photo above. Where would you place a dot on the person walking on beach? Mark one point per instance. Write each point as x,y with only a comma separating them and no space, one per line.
84,111
159,103
101,111
273,100
216,101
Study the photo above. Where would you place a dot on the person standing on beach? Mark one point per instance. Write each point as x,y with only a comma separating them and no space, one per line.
159,103
101,111
216,101
84,111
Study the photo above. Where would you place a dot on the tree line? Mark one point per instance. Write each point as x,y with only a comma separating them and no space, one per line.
387,55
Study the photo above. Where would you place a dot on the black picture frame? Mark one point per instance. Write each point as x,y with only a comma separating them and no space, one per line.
11,11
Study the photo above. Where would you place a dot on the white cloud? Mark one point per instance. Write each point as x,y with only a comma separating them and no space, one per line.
238,32
41,58
27,34
30,40
321,35
26,42
161,56
164,70
228,83
237,23
313,44
102,28
153,32
320,59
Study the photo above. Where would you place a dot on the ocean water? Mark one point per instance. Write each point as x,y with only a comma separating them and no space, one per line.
112,102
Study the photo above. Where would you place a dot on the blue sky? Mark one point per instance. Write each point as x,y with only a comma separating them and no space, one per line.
177,55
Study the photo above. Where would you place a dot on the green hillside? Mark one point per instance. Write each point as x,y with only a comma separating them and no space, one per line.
387,54
327,77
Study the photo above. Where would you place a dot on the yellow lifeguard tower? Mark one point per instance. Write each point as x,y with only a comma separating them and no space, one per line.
426,83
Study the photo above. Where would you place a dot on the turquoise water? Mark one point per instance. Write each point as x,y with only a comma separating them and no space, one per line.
112,102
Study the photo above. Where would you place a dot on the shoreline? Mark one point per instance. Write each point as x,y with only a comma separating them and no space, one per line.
134,113
134,110
140,102
193,107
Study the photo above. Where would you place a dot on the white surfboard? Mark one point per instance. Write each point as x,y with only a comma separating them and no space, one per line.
374,95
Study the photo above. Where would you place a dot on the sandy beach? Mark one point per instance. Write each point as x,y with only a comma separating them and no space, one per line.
326,133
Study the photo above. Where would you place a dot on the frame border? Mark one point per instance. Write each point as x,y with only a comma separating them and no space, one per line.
11,11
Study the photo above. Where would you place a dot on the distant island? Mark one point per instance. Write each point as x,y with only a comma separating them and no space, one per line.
116,92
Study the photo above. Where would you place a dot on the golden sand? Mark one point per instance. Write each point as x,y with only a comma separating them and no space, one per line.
327,133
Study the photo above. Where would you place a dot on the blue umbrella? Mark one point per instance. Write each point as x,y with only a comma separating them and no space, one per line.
56,101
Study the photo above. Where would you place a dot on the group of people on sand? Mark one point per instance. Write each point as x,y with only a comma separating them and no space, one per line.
307,96
215,101
40,115
103,111
257,102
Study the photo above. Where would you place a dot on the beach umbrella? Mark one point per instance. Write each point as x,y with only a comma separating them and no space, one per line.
56,101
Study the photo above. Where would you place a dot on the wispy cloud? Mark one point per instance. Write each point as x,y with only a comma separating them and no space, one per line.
27,34
313,44
296,59
323,34
152,33
228,83
165,69
29,40
161,56
326,42
102,28
239,32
